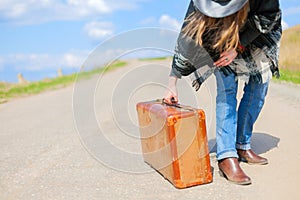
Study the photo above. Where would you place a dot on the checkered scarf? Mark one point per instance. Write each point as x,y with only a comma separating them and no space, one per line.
259,60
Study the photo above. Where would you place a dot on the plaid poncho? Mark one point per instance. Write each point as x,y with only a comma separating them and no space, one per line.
261,36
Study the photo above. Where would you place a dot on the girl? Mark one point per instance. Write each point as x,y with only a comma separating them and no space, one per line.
230,39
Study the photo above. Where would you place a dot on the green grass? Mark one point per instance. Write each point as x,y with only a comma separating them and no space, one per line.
153,59
290,76
289,62
8,91
2,85
105,69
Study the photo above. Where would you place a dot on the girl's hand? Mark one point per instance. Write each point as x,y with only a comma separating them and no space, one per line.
171,93
226,58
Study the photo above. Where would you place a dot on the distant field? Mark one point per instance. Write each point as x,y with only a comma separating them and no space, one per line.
290,49
289,59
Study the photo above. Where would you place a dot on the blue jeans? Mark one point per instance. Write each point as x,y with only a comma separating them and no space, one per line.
234,127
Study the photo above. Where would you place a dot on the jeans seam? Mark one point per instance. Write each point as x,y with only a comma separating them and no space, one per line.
247,109
224,95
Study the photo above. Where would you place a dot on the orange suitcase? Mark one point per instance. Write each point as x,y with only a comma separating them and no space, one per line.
174,142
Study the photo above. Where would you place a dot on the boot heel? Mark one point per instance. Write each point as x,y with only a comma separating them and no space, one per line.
222,174
234,172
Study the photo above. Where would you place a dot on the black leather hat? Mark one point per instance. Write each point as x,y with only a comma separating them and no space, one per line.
219,8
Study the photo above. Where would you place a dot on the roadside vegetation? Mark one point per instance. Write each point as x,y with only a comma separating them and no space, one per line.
289,60
289,76
153,59
8,90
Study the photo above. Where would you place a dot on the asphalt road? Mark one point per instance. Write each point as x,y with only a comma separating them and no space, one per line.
81,142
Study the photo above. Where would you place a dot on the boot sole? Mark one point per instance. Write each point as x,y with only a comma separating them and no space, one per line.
253,163
222,174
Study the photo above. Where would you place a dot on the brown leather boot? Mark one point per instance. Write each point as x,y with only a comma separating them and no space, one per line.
250,157
231,170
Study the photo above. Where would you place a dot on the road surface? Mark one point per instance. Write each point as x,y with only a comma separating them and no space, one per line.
52,148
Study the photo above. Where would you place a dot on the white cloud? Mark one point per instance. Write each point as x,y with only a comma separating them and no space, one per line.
71,60
39,62
40,11
99,30
87,6
17,10
166,21
284,25
292,11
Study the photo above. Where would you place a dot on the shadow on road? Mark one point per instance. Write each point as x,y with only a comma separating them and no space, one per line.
261,143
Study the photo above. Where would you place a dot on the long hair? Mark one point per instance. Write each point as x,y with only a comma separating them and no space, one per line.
221,33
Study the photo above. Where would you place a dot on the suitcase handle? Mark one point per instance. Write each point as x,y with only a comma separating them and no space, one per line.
177,105
163,101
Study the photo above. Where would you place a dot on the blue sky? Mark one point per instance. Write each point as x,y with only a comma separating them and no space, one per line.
39,36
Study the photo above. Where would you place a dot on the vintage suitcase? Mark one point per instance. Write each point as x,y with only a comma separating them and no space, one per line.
174,142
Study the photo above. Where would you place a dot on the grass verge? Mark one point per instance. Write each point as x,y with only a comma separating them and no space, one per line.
153,59
8,91
289,76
